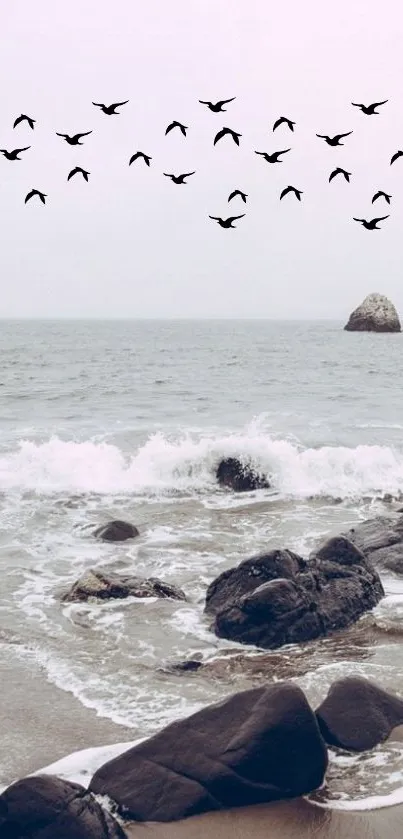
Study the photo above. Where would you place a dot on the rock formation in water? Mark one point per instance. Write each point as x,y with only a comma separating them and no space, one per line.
381,541
240,477
103,586
116,531
375,314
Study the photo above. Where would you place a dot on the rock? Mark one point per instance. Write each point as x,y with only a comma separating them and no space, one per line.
358,715
240,477
116,531
256,746
45,807
103,586
278,598
381,541
375,314
187,665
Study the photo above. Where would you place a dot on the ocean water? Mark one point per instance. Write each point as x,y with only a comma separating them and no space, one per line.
128,420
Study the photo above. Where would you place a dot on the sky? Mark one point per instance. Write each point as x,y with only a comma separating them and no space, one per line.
130,243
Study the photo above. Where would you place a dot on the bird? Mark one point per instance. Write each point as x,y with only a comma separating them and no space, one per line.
297,192
369,109
284,120
272,158
176,124
226,222
217,107
78,170
340,171
372,224
41,195
75,139
23,117
334,141
138,154
224,131
13,155
179,179
110,109
381,194
239,192
396,156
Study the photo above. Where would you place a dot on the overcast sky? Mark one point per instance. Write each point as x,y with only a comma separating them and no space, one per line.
132,244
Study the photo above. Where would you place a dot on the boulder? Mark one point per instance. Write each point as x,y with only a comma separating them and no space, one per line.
103,586
116,531
46,807
240,477
381,541
278,598
375,314
358,715
256,746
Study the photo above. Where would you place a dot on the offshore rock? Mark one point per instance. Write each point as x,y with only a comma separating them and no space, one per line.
108,586
240,477
381,541
116,531
375,314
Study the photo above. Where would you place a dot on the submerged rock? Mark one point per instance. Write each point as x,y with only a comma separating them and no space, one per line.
358,715
240,477
108,586
381,541
116,531
375,314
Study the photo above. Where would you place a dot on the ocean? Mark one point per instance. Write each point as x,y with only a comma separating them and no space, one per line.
128,419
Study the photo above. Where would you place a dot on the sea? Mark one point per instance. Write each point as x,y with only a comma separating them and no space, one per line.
129,419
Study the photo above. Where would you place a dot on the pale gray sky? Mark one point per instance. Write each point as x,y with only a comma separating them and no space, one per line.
132,244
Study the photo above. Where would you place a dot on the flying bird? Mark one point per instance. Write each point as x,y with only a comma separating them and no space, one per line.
369,109
273,158
284,120
334,141
23,117
138,154
297,192
41,195
340,171
179,179
239,192
381,194
78,170
226,222
224,131
110,109
372,224
75,139
176,124
396,156
13,155
217,107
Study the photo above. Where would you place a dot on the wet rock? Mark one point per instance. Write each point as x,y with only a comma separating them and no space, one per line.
375,314
240,477
45,807
358,715
381,541
116,531
257,746
278,598
187,665
103,586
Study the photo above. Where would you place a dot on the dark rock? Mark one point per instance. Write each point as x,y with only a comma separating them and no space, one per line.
358,715
278,598
103,586
240,477
375,314
257,746
381,541
45,807
116,531
187,665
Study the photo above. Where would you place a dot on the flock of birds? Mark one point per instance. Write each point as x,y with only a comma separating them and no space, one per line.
215,107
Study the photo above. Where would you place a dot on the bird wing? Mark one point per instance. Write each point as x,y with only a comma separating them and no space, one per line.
359,219
395,156
376,196
42,196
203,102
99,104
233,194
29,195
134,157
61,135
261,152
18,120
118,104
339,136
83,134
188,174
357,105
234,218
220,134
284,192
17,151
375,220
284,151
215,218
333,174
226,101
376,104
167,175
170,127
323,136
73,172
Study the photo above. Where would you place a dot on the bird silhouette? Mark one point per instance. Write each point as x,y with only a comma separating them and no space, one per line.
217,107
334,141
273,158
372,224
297,192
139,154
179,179
75,139
369,109
110,109
223,133
176,124
284,120
381,194
41,195
78,170
339,171
396,156
239,192
13,155
23,117
226,222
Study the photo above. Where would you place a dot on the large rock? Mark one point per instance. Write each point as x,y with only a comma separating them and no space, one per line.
240,477
358,715
279,598
95,583
45,807
375,314
116,531
381,540
257,746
